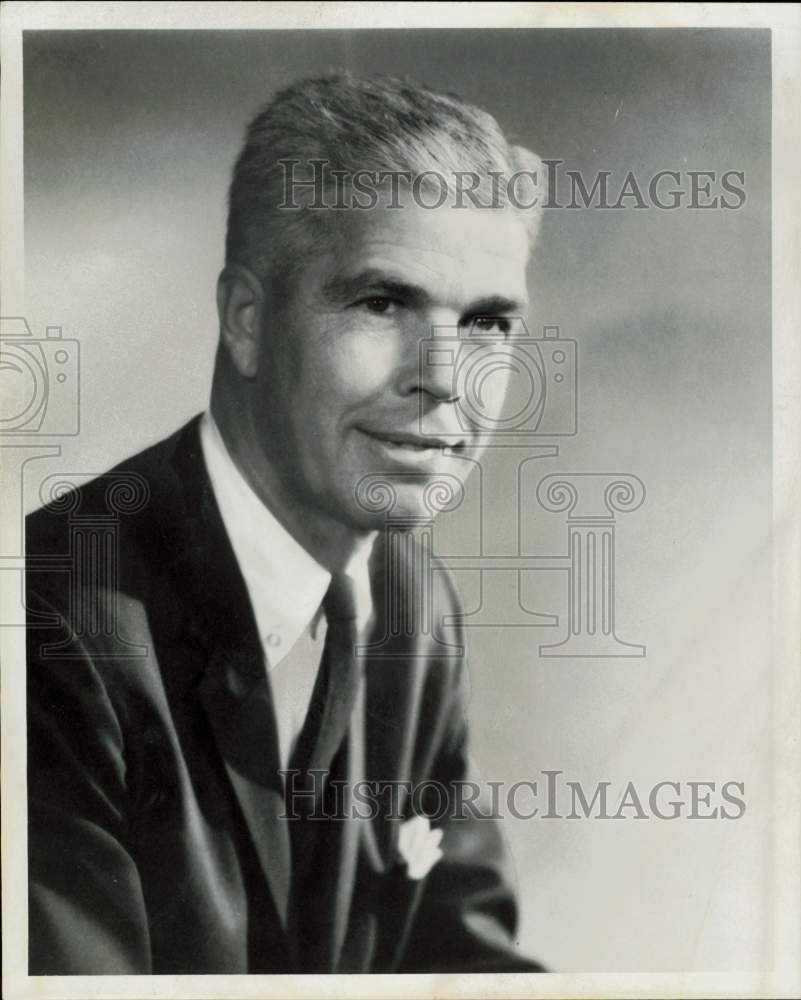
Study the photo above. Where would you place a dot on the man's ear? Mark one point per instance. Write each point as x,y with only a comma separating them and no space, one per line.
240,300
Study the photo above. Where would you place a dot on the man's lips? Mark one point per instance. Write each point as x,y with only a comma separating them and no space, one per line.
413,441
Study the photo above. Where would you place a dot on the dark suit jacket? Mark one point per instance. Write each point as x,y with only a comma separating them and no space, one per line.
156,837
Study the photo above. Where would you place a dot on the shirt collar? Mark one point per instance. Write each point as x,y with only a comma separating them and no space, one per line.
286,585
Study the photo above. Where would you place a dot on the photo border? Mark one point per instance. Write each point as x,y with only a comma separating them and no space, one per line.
784,20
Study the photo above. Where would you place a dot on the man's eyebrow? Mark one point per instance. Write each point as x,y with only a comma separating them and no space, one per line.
496,305
344,287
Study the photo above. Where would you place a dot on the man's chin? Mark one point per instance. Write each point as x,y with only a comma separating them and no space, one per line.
392,498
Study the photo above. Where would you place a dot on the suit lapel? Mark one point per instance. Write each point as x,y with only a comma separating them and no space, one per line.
334,891
233,687
350,834
236,696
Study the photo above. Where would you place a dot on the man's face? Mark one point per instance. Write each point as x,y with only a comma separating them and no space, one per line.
340,389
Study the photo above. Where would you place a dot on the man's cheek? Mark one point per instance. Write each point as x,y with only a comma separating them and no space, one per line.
361,364
495,395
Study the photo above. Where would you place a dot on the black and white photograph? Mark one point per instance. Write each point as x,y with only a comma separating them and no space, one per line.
400,533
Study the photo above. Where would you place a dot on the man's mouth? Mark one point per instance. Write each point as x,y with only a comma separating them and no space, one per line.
414,443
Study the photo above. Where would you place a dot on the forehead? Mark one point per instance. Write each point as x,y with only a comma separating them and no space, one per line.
454,255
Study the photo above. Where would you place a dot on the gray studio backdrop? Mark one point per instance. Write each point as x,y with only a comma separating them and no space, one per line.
129,140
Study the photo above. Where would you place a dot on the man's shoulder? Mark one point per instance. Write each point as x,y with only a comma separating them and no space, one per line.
135,490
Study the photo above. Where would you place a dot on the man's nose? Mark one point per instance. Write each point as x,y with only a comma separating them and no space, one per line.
432,370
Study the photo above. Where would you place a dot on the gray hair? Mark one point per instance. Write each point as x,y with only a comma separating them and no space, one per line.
354,125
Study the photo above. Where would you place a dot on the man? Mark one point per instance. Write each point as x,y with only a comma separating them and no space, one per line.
206,697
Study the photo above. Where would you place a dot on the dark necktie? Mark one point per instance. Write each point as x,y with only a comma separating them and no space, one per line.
337,682
320,741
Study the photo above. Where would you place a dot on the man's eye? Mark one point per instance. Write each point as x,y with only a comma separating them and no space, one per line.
377,304
491,324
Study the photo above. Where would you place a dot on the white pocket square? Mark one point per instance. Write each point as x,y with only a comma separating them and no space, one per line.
418,845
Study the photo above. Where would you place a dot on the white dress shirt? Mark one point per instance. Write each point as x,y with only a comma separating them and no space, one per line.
285,584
